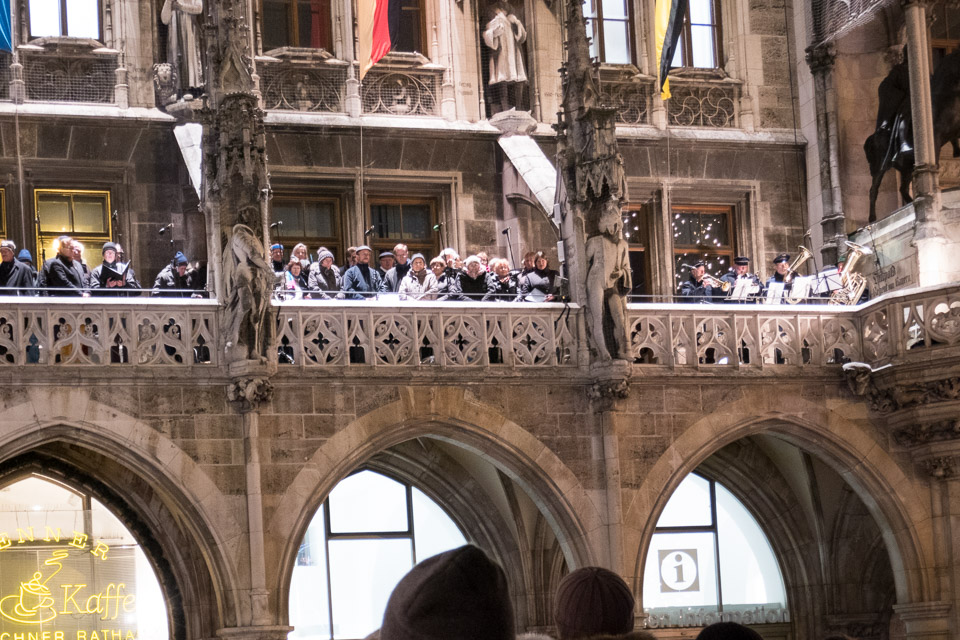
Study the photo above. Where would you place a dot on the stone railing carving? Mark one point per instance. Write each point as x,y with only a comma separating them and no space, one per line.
909,325
703,103
630,97
48,331
436,334
293,86
741,337
65,74
402,91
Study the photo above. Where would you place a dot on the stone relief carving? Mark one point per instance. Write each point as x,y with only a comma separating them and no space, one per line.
166,81
918,434
940,468
250,393
608,282
250,319
901,396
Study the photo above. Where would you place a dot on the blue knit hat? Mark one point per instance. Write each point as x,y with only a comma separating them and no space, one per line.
180,259
25,256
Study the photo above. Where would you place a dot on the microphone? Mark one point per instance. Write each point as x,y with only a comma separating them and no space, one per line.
437,226
369,231
506,231
163,230
278,223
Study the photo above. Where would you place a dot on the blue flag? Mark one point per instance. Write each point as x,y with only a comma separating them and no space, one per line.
6,31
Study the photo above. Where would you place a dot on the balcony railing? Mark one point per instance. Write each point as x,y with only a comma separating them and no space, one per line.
916,325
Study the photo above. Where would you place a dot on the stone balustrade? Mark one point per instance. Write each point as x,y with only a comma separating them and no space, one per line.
385,334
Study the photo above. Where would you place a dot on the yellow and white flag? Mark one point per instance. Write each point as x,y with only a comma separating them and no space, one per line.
668,24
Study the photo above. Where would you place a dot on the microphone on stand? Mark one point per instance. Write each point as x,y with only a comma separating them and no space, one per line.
278,223
163,230
369,231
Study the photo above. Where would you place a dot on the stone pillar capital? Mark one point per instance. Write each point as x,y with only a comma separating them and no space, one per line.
821,57
927,620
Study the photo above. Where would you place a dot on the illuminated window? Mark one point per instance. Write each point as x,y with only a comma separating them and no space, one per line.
702,233
314,222
406,221
83,215
366,537
699,44
636,231
58,549
73,18
708,556
608,25
297,23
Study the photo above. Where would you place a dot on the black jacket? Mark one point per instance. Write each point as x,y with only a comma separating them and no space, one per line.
98,283
63,277
504,291
536,284
474,289
393,277
694,291
16,275
169,278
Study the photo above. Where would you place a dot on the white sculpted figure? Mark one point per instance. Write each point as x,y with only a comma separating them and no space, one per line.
608,281
504,35
183,40
249,322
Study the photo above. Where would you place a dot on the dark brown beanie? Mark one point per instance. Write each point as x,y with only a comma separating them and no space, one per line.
728,631
593,601
457,595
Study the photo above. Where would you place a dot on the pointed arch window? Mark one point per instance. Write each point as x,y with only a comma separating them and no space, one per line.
709,560
368,534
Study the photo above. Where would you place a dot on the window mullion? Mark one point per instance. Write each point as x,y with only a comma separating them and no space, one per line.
293,17
63,24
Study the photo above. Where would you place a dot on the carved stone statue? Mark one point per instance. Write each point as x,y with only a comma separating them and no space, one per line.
166,83
504,34
250,322
183,39
608,281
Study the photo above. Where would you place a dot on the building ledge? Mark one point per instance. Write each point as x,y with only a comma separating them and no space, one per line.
85,111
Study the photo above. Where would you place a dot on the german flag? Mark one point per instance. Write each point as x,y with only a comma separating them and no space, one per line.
378,23
668,25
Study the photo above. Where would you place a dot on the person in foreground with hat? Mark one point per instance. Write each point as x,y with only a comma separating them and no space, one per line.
593,603
695,288
739,275
16,278
456,595
360,281
419,283
175,280
110,277
728,631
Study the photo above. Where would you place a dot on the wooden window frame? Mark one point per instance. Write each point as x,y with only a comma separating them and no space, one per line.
686,38
334,243
423,46
64,26
382,244
293,26
731,252
598,36
86,238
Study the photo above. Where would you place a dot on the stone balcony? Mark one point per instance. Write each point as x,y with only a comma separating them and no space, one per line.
431,339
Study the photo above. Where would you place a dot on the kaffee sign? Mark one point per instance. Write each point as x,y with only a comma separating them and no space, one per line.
59,587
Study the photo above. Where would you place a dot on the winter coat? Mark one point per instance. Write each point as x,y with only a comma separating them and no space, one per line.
169,278
394,277
324,283
16,275
474,289
410,287
355,286
503,291
63,277
536,285
98,283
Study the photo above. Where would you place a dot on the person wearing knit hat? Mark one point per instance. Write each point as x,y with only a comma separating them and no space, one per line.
728,631
456,595
176,280
324,277
110,276
593,601
419,283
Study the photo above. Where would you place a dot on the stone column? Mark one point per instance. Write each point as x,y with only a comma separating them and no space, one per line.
929,237
832,222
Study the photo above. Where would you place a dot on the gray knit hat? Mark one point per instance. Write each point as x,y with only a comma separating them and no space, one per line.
457,595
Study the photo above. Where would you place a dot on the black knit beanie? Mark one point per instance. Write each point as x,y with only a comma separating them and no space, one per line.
593,601
457,595
728,631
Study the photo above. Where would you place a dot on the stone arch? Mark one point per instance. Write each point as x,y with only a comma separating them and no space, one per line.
837,435
154,488
451,415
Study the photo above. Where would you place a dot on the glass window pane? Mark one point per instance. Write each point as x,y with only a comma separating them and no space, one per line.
318,220
701,11
289,214
680,571
83,19
613,9
703,54
715,232
45,18
89,214
363,573
386,219
309,598
54,213
686,229
589,10
689,506
594,38
410,39
416,222
434,531
616,47
368,502
314,21
748,569
678,54
107,527
275,24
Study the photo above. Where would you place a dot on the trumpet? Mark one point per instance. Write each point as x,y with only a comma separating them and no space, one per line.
717,283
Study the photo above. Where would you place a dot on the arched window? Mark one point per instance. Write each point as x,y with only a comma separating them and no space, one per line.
70,570
369,533
709,560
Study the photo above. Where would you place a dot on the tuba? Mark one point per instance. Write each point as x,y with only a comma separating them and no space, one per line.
852,283
805,254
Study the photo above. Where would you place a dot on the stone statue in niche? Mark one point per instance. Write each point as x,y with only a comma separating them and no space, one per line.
503,35
183,41
249,320
608,282
166,83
